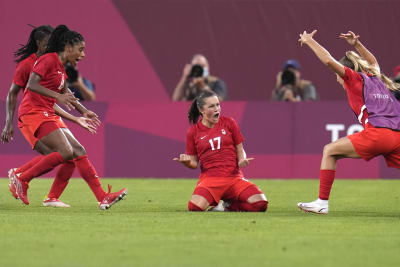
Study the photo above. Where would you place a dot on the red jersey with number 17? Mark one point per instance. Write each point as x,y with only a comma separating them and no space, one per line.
215,147
52,72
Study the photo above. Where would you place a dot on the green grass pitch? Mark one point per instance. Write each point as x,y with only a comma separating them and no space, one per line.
151,227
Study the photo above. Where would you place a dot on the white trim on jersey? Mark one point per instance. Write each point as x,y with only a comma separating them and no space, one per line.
362,113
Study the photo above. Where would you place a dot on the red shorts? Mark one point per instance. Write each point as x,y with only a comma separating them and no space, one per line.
372,142
36,125
225,188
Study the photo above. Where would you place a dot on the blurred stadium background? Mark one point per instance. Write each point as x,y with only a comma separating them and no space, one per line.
135,54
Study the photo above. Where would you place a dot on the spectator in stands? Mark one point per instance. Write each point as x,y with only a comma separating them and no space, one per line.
82,88
303,90
287,90
196,79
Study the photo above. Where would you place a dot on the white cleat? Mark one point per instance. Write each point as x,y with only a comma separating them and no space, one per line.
222,205
317,206
11,178
54,202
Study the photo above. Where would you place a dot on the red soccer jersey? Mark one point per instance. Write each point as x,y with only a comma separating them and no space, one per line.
215,147
52,72
23,70
354,85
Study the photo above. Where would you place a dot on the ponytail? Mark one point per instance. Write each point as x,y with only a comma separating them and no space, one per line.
62,36
37,34
355,62
194,112
197,104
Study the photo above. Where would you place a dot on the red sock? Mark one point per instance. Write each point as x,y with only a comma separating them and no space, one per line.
325,183
62,178
89,174
194,207
45,164
29,164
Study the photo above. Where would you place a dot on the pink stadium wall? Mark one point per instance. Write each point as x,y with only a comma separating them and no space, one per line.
135,54
140,139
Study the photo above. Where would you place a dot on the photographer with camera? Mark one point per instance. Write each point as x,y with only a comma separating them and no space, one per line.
304,89
82,88
288,90
196,79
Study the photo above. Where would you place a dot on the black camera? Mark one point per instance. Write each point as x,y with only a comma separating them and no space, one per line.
72,73
288,77
197,71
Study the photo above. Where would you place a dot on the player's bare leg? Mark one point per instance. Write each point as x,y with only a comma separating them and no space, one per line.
198,203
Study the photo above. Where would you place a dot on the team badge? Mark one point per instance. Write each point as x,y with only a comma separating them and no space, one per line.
223,131
46,114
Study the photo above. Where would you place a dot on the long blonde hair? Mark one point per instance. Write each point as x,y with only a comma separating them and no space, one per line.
355,62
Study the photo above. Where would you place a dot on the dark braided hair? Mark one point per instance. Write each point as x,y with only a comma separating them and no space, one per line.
37,34
197,104
62,36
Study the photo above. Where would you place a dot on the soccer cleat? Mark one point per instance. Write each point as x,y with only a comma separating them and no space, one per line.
222,205
54,202
112,198
21,190
317,206
11,177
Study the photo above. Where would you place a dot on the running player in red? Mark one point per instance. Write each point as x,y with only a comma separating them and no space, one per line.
26,56
46,86
217,144
370,98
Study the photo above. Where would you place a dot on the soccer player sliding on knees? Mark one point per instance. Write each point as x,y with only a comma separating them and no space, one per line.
217,144
370,97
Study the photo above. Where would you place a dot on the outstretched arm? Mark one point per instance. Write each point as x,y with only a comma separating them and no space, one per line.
8,131
354,41
321,53
190,161
242,159
85,123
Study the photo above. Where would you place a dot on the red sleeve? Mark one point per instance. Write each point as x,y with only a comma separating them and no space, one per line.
42,66
21,74
236,134
352,81
190,144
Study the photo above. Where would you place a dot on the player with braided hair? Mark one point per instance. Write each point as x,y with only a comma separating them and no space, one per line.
37,119
26,56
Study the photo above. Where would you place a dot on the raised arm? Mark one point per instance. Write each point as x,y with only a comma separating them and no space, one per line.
321,53
8,131
242,159
354,41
